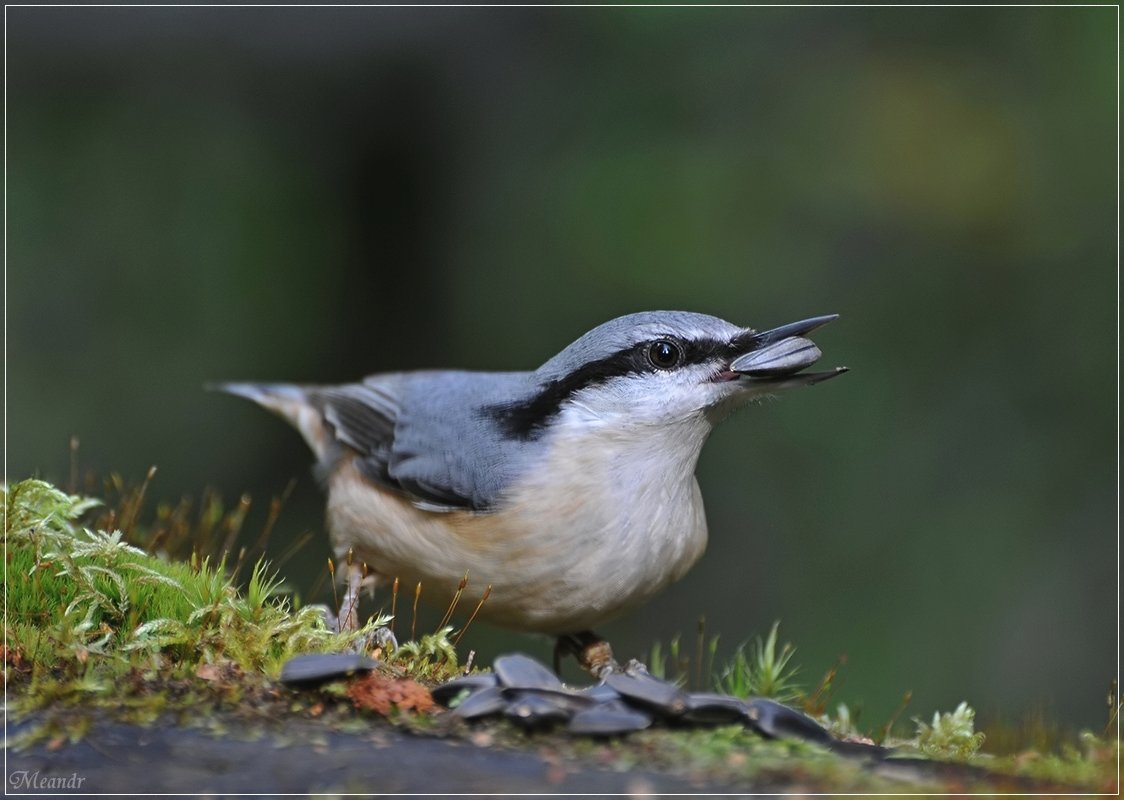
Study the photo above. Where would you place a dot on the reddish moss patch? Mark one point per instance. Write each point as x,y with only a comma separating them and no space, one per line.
381,694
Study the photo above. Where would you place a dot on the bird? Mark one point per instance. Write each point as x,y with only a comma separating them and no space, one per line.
570,489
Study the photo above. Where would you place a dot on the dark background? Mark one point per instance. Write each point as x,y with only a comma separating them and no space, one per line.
318,194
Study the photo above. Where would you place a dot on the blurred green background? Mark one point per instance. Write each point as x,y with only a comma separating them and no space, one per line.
318,194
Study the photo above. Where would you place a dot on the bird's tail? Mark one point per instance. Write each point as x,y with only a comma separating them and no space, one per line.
290,402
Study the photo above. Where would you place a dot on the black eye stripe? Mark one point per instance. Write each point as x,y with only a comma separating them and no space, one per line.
702,351
525,419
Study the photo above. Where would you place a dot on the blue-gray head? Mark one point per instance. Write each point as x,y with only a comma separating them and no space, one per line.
661,367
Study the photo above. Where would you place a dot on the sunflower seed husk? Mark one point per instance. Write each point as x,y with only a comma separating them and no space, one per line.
446,692
517,671
777,721
314,669
648,692
608,719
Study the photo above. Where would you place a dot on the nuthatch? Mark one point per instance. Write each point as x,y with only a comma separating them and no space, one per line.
570,489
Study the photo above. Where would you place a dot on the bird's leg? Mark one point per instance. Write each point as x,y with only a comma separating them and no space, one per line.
593,653
349,609
358,576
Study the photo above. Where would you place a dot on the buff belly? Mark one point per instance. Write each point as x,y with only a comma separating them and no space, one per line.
559,558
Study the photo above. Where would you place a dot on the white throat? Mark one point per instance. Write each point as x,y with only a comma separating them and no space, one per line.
627,514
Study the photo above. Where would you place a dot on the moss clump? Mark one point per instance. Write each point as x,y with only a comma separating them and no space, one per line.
95,622
951,735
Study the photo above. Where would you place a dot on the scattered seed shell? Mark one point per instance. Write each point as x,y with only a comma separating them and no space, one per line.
565,698
652,693
517,671
705,708
446,692
600,693
534,710
314,669
777,721
531,695
482,703
608,719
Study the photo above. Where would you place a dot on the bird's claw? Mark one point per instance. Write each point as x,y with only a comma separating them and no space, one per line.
593,654
380,638
635,667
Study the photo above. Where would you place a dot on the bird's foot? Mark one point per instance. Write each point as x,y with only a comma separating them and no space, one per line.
345,620
593,654
382,639
635,667
378,639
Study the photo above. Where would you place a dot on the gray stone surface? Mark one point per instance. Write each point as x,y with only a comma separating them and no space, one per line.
116,758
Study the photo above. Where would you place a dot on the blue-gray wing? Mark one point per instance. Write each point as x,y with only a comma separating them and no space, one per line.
363,418
424,434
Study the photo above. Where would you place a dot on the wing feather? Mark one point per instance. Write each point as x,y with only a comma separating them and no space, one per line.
447,452
430,454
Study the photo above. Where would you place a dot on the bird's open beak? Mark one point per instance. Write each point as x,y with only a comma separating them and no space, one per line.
774,358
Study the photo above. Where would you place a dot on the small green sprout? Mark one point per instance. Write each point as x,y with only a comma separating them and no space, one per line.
844,723
950,735
764,674
434,649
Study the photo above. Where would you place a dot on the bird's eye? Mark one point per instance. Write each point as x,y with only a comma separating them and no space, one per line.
664,354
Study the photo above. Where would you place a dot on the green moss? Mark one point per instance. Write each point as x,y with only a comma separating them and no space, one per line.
951,735
95,622
764,673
